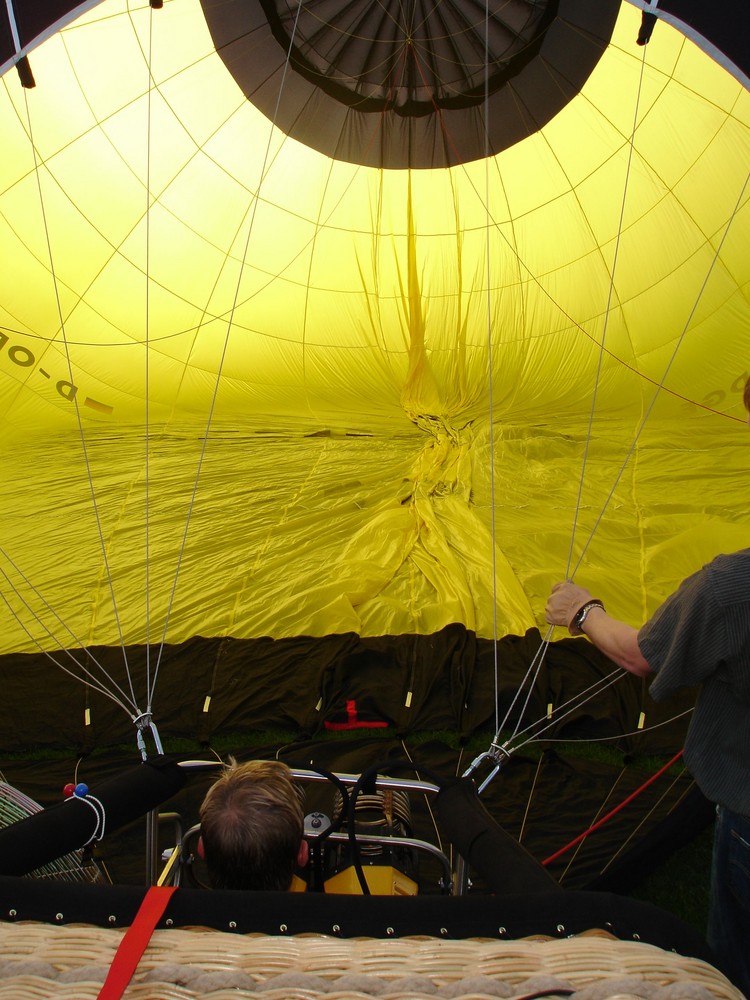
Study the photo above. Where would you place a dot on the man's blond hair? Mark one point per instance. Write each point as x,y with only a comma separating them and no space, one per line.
252,825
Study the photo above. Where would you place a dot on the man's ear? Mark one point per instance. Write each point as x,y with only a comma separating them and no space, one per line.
303,854
200,850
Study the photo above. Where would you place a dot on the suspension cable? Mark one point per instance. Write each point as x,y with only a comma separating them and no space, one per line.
670,362
251,211
579,846
652,727
571,574
568,708
490,365
610,293
79,418
93,681
613,812
644,819
147,317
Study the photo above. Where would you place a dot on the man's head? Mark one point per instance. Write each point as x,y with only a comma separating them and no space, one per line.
251,827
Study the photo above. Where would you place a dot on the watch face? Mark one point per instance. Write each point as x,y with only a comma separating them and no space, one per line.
582,613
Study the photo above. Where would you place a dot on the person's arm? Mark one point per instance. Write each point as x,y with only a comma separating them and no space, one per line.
614,638
617,640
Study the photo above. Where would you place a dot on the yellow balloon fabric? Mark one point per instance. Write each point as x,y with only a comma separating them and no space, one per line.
248,390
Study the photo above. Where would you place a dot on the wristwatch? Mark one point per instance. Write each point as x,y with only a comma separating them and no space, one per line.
576,625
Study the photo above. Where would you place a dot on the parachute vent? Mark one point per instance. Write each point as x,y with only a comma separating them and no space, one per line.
410,85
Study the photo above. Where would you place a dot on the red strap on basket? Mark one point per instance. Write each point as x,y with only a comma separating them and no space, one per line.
135,941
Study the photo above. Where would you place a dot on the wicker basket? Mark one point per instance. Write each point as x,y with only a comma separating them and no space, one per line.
42,961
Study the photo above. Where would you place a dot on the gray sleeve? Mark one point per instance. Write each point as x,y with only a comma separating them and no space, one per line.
685,639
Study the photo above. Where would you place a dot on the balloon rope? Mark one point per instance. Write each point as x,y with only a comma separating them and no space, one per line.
486,202
528,682
529,797
531,677
93,681
572,704
79,418
571,575
491,396
667,369
599,811
536,663
252,212
643,422
620,736
147,303
426,797
613,812
534,279
610,293
639,826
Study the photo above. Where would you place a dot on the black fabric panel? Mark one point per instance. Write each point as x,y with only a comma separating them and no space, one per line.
29,720
570,666
273,683
657,843
481,841
615,710
183,675
43,706
303,683
259,683
32,19
514,916
513,655
411,682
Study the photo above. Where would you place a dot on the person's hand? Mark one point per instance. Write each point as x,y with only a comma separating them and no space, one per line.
565,601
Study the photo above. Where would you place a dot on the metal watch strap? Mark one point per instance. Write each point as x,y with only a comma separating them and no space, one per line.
576,626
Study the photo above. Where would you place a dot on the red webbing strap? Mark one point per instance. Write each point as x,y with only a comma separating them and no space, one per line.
135,941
